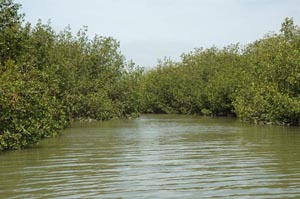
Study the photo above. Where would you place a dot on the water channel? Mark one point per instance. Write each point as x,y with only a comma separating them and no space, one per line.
158,156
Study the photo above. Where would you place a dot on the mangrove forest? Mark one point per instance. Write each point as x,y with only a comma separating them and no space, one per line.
50,78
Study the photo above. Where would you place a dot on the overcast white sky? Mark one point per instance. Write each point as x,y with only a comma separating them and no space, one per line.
152,29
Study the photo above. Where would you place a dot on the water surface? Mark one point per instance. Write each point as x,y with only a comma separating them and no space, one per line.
158,156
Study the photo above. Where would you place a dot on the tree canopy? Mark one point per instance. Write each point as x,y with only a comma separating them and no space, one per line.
259,82
49,78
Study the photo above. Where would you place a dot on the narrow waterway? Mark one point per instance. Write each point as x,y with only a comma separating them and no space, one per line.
158,156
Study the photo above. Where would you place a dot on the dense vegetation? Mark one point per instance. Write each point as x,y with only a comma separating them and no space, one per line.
48,79
259,82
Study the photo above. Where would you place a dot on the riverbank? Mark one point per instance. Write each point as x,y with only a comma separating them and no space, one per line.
259,82
48,79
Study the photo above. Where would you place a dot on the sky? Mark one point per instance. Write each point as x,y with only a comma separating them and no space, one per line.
149,30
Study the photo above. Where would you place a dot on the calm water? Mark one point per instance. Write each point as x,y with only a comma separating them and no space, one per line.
158,156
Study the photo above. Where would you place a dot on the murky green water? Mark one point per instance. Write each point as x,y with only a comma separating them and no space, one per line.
159,156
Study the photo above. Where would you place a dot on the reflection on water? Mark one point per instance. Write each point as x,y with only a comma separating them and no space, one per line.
158,156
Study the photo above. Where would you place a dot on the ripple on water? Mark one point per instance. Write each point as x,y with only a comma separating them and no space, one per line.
158,157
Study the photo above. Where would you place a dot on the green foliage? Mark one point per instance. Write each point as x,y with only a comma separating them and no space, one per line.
27,113
48,79
259,82
200,84
10,22
273,73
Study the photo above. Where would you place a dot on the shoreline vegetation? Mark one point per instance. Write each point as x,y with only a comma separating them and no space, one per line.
48,79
